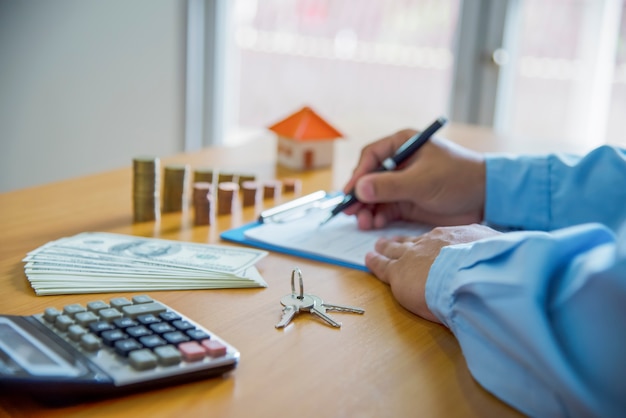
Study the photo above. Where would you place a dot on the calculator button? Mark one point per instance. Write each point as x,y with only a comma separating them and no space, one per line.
124,322
85,318
63,322
109,314
183,325
197,334
75,332
147,319
100,326
142,359
50,314
192,351
138,331
169,316
119,302
90,342
144,308
73,309
162,327
175,337
142,299
168,355
125,347
151,341
214,348
96,305
109,337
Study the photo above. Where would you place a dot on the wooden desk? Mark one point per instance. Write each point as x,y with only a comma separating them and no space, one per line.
386,363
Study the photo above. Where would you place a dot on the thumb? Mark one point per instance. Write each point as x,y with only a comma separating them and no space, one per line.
392,186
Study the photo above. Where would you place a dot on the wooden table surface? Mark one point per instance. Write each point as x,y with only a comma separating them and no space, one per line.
385,363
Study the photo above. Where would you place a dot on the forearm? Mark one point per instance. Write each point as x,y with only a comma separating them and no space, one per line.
510,301
547,193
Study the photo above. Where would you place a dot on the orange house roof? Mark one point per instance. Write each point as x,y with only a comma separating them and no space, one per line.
305,125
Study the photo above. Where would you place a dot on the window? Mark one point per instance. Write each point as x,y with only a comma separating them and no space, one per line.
570,80
370,67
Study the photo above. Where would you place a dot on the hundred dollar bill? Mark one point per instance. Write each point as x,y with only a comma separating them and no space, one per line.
152,252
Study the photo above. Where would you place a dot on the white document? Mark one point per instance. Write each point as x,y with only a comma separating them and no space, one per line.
338,239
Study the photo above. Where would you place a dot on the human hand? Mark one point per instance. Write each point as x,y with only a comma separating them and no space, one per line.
442,184
404,262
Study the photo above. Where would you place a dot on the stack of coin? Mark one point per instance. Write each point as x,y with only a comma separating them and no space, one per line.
292,185
250,191
174,190
272,189
202,199
146,188
226,194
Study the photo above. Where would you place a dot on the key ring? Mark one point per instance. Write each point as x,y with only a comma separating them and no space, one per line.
293,285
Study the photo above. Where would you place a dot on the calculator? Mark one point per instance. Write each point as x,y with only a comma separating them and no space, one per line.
105,349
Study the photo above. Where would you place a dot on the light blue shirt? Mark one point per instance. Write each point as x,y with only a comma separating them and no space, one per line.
540,313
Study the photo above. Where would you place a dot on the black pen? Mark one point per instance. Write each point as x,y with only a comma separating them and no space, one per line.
405,151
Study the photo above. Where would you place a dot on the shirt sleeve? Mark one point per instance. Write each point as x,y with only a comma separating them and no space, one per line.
540,317
556,191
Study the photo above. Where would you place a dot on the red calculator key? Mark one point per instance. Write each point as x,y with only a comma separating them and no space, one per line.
214,348
192,351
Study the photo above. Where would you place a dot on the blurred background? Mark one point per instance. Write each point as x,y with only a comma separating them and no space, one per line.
87,85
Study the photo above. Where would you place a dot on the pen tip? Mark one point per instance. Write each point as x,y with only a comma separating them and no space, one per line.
326,219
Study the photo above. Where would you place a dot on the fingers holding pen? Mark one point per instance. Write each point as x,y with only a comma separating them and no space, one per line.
374,154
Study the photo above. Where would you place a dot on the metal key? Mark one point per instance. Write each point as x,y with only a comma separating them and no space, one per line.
320,312
335,307
293,304
320,307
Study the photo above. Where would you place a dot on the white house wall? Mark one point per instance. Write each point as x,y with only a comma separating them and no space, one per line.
322,153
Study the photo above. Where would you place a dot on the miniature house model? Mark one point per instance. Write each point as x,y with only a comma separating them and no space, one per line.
305,140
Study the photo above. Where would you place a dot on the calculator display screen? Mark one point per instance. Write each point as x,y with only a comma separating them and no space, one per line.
30,354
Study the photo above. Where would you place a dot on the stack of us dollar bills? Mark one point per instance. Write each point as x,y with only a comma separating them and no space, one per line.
94,262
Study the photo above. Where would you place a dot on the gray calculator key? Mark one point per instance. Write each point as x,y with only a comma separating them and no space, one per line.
168,355
50,314
96,306
142,359
134,311
120,302
85,318
109,314
63,322
73,309
142,299
75,332
90,342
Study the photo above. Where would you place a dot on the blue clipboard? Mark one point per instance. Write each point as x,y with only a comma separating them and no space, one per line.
237,235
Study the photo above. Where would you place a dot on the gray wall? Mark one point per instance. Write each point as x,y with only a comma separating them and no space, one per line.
85,85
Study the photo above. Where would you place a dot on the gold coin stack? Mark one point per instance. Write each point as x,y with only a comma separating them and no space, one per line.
227,192
146,188
251,192
202,199
272,189
292,185
174,190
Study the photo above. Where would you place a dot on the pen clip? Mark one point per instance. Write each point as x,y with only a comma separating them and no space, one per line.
282,212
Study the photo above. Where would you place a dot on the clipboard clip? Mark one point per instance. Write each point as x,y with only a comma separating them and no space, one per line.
299,207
